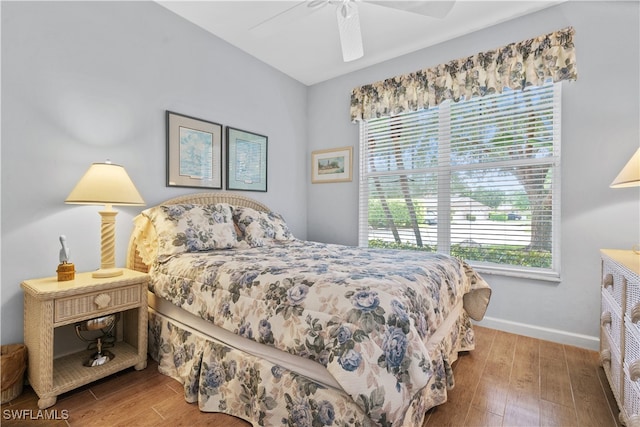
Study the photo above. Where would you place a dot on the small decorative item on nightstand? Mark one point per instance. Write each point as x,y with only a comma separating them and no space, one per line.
66,270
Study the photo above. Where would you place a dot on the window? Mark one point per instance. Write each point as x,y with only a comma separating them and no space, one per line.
477,179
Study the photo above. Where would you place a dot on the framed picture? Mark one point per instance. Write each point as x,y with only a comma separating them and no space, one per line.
333,165
194,152
246,160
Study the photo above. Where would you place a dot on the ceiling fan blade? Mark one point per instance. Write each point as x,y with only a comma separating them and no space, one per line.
435,9
277,22
350,34
317,3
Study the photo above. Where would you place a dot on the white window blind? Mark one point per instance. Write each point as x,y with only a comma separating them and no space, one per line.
478,179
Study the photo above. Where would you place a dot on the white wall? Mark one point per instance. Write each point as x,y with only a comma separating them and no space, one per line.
600,132
87,81
82,82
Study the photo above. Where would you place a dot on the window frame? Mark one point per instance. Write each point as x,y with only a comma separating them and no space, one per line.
444,209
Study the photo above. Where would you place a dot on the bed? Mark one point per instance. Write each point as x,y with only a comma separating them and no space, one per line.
258,324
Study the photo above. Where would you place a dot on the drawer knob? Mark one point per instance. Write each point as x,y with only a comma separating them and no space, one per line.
634,370
605,319
605,356
633,421
608,281
102,301
635,313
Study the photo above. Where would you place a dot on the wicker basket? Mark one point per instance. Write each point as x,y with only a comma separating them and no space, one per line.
14,363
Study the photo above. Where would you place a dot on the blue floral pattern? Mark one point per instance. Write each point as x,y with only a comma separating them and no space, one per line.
192,228
260,228
366,315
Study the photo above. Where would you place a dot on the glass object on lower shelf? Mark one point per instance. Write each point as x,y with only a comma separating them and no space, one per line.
106,325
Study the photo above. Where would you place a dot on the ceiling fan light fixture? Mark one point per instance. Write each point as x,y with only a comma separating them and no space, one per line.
348,9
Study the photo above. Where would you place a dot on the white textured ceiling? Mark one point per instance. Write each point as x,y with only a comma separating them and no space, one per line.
305,45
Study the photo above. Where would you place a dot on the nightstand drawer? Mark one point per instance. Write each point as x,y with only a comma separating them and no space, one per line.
67,309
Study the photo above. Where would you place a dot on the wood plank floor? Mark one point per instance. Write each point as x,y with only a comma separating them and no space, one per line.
508,380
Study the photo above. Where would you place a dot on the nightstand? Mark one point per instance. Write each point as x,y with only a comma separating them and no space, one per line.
49,304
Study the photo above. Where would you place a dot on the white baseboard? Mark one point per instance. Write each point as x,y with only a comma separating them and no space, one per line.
555,335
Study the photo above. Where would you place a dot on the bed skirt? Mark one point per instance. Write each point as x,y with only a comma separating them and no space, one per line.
224,379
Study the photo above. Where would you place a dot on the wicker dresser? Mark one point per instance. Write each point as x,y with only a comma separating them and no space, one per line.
49,304
620,330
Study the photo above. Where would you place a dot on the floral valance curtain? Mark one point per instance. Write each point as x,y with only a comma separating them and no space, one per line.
516,66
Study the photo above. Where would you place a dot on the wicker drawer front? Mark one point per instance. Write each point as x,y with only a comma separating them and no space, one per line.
615,370
633,299
631,345
73,307
613,282
611,362
631,396
611,319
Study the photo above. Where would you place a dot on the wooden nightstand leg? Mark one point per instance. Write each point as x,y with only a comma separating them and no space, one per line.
46,402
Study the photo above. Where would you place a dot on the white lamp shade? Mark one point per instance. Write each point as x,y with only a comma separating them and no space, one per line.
629,176
105,184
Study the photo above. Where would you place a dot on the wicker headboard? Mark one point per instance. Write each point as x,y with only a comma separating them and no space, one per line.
134,261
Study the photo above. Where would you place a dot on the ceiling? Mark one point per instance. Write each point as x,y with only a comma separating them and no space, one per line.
303,42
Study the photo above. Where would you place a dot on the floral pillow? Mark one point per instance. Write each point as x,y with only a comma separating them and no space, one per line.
260,228
191,228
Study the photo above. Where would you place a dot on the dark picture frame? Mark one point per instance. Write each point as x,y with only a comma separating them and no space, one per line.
246,160
194,152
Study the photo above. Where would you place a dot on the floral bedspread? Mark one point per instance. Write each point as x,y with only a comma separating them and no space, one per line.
366,315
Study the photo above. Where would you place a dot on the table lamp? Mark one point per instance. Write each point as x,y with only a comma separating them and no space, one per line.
629,176
106,184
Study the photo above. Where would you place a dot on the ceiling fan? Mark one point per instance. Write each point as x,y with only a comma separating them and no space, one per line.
348,18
